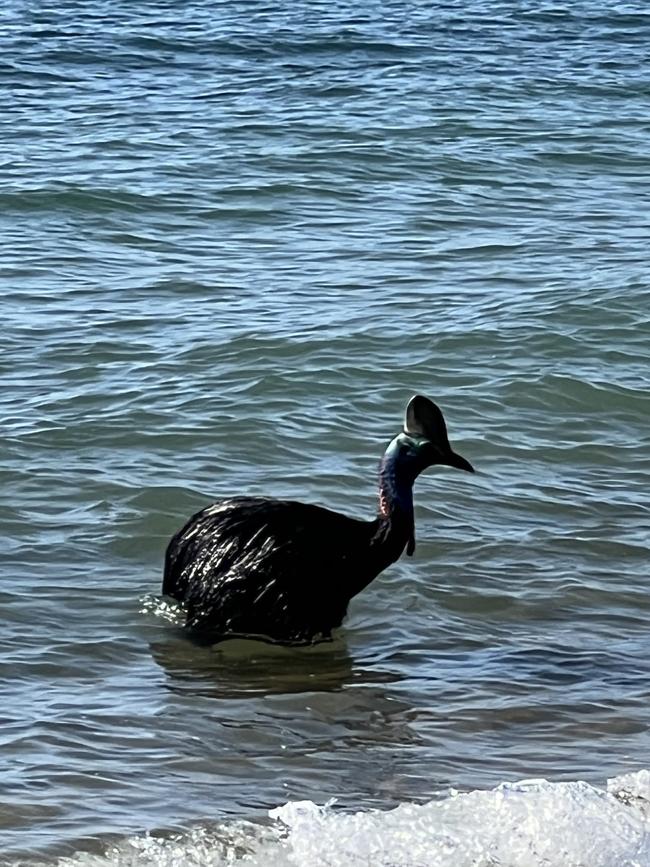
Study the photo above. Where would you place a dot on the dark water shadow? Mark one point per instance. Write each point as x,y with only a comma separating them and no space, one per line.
239,667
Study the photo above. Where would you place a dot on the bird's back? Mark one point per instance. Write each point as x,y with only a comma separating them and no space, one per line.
255,566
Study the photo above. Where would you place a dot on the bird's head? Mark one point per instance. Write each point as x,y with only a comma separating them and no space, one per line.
424,441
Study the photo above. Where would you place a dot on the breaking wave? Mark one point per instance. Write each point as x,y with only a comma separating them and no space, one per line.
531,823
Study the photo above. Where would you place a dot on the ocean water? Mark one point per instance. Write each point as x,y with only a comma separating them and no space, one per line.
236,238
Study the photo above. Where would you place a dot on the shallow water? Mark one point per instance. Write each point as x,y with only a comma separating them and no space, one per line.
236,239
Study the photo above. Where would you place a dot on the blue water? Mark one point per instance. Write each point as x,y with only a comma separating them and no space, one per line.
236,238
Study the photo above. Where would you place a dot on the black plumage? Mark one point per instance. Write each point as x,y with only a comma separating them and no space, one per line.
286,571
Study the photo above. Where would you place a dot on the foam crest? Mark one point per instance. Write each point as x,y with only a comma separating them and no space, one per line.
532,823
238,843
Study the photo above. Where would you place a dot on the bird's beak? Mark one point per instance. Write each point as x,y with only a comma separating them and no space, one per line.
454,460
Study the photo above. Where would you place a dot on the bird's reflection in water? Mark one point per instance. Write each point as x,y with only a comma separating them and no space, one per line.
241,667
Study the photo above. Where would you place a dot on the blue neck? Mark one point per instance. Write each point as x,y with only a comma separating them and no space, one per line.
395,484
396,521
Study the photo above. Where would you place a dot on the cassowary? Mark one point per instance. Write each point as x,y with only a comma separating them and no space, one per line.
285,571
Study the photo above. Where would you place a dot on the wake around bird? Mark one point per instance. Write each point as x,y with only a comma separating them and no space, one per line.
286,571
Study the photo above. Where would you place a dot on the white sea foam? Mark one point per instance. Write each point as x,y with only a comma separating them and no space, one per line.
162,607
532,823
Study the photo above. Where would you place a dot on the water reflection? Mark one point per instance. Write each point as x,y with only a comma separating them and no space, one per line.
240,667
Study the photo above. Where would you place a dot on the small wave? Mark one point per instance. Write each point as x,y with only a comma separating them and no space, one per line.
523,824
163,608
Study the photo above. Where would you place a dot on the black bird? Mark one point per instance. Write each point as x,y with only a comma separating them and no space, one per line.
285,571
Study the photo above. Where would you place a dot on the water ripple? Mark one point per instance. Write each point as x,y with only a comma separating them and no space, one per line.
235,243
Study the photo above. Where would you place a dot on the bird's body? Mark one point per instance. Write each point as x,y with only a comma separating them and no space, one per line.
285,570
277,568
